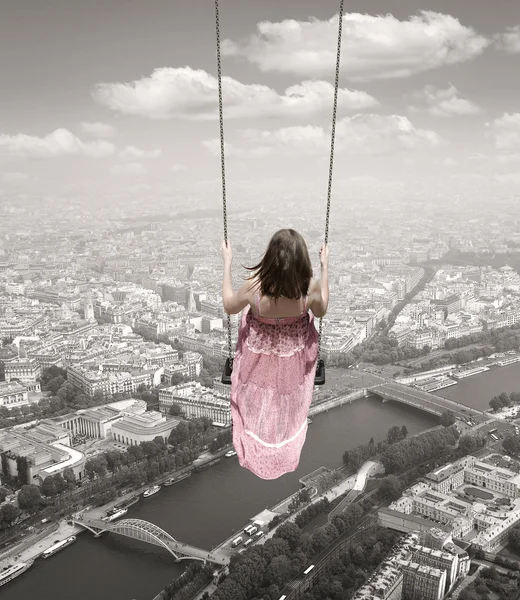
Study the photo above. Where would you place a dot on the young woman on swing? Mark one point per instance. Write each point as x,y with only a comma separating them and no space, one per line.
275,360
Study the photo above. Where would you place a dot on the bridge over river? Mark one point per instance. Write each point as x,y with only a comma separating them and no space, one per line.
391,390
148,532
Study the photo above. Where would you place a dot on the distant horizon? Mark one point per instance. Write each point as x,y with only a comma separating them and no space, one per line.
106,99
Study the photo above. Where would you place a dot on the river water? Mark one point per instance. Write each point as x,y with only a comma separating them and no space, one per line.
209,506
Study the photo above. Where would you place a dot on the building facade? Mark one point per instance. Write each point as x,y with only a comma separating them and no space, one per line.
13,395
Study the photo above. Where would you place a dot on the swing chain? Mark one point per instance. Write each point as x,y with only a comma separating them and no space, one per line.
222,156
332,141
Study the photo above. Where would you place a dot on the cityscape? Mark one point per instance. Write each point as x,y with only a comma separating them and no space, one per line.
116,422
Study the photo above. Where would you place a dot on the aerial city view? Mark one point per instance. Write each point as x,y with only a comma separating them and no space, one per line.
260,300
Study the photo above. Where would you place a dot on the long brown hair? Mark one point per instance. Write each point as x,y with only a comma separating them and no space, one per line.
285,270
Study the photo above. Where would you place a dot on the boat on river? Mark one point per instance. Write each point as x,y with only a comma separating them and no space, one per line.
173,480
199,464
112,515
14,571
151,491
57,546
127,503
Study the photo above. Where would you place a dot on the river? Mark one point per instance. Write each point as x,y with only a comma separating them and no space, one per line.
209,506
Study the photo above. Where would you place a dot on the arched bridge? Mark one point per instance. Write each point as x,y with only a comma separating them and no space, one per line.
148,532
391,390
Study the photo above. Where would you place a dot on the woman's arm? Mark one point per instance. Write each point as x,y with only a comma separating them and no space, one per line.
233,303
320,294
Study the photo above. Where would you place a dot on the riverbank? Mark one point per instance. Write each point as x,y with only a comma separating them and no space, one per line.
202,510
32,549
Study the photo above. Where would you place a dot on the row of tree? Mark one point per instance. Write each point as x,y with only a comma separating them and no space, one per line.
353,459
382,349
263,571
189,583
503,400
108,471
489,583
410,452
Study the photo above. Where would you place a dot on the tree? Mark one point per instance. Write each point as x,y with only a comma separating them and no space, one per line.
60,484
114,460
70,477
159,441
8,514
55,384
390,488
514,539
279,570
468,444
447,418
175,410
30,498
291,533
96,466
512,445
48,487
150,449
495,404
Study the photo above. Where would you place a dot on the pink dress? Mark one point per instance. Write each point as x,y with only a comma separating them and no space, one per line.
271,389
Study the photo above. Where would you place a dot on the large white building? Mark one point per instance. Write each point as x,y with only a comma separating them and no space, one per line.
46,449
462,497
196,401
92,381
127,422
26,371
416,570
13,395
144,427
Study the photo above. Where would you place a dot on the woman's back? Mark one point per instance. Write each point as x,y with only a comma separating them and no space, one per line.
283,308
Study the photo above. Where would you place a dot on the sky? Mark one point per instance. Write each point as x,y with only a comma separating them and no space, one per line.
115,96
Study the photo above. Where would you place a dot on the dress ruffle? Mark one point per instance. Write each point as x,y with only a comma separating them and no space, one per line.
271,391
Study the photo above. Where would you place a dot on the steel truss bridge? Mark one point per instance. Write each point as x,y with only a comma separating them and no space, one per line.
398,392
144,531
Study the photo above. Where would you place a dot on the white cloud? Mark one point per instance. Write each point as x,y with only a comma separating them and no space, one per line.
99,130
178,168
131,169
360,134
508,178
449,162
373,47
133,152
13,177
508,158
192,94
443,102
510,40
58,143
506,131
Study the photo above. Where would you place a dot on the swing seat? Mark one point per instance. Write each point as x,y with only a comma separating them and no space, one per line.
228,369
319,378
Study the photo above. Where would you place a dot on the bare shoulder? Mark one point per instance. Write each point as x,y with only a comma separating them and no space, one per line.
250,288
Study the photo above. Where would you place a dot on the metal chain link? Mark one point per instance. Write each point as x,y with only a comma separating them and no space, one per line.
222,154
332,140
